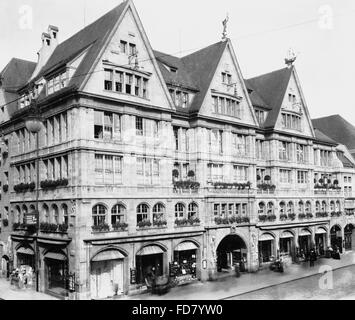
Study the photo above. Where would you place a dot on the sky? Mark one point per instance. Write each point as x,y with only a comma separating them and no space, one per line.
320,32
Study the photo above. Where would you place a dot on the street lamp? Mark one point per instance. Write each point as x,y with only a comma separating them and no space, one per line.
34,123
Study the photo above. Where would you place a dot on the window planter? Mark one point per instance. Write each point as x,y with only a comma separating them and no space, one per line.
266,187
271,217
5,222
262,217
187,222
5,187
144,224
186,185
336,214
5,154
349,213
48,227
291,216
120,226
283,217
234,185
63,228
52,184
101,228
23,187
309,215
159,223
301,216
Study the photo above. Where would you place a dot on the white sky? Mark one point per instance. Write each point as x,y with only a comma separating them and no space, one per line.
257,28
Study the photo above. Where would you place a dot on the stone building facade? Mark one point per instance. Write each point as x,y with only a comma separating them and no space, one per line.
152,161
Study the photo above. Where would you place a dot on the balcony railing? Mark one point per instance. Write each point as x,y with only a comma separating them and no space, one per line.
231,220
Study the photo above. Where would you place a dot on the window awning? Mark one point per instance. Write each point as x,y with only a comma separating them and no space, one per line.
185,246
56,256
305,232
28,251
266,237
108,255
286,234
321,231
146,251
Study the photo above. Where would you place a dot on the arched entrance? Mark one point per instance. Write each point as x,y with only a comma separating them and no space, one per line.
231,250
304,240
321,240
56,270
106,273
5,266
348,235
266,247
336,239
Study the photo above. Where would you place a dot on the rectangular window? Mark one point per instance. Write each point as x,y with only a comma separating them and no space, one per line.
216,209
99,168
215,104
285,176
147,170
119,81
118,169
123,46
137,85
220,141
129,81
98,125
215,172
108,125
108,79
132,49
185,100
139,126
145,88
176,138
302,177
284,150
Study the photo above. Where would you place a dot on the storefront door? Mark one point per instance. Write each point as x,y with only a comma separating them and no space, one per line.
265,250
304,243
320,243
106,278
147,264
25,260
56,276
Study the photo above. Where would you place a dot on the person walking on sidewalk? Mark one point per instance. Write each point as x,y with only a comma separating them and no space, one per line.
312,258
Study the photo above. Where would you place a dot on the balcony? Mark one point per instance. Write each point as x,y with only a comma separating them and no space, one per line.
336,214
104,227
322,214
179,223
53,227
267,218
186,187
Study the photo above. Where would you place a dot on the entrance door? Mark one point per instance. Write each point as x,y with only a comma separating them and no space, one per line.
106,278
146,264
304,243
265,249
348,235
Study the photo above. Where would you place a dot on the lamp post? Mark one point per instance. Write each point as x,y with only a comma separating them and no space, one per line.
33,124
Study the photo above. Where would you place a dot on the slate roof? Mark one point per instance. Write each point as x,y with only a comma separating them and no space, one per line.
345,161
194,71
255,98
321,137
338,129
93,37
15,74
271,89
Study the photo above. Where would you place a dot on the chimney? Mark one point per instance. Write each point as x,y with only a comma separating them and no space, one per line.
49,43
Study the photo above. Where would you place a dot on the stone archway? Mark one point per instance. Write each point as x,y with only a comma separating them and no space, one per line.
349,237
231,250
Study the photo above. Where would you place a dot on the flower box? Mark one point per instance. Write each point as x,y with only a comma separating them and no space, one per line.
309,215
23,187
5,222
160,223
104,227
291,216
120,226
301,216
48,227
187,222
283,217
144,224
5,187
262,217
52,184
186,185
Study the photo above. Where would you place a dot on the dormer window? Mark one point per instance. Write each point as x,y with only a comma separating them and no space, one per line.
260,116
291,121
172,69
226,106
54,35
180,98
57,83
48,42
291,98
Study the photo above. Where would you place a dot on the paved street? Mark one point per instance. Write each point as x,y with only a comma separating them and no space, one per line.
229,287
308,288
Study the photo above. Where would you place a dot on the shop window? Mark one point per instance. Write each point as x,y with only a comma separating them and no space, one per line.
99,214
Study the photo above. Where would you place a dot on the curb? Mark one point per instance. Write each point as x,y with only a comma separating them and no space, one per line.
280,283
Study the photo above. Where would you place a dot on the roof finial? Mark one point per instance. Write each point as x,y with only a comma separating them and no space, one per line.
290,58
224,34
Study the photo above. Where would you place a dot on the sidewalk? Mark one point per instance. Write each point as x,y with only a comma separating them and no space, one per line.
8,292
231,286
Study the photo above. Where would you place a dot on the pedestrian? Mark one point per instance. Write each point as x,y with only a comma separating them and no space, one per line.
312,258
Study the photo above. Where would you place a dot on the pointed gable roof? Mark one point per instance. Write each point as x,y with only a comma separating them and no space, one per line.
202,67
180,77
338,129
16,73
271,88
92,38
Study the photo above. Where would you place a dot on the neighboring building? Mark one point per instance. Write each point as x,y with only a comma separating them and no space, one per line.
149,160
338,129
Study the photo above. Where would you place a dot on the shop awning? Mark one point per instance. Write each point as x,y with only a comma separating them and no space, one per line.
305,232
28,251
56,256
286,234
266,237
185,246
321,231
108,255
146,251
